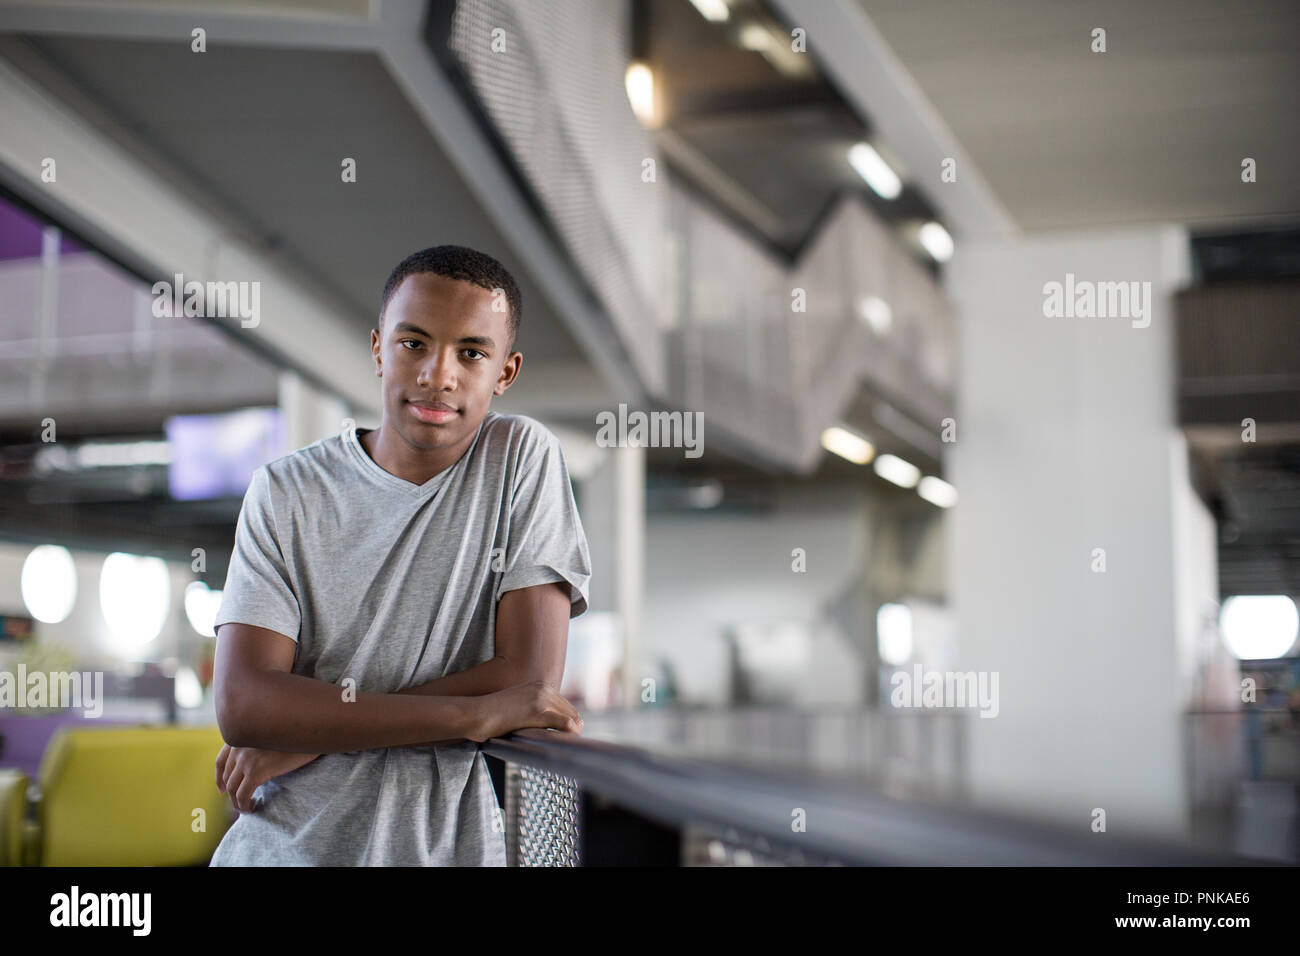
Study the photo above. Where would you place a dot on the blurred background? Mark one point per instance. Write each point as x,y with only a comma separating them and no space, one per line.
827,226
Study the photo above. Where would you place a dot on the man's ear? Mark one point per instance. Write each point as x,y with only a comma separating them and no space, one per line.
375,351
509,372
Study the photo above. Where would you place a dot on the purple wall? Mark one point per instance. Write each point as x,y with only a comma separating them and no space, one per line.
20,235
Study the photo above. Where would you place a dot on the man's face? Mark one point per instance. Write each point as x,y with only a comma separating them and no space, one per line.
443,355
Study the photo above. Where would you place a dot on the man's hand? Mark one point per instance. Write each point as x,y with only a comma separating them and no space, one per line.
533,704
241,770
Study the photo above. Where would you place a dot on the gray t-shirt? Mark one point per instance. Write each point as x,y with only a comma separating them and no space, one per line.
394,584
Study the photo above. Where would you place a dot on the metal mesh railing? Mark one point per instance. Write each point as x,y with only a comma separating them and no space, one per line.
542,818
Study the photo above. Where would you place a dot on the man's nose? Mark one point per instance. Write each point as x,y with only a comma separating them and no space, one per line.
438,372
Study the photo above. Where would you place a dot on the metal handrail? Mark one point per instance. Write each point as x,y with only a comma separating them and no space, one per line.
844,824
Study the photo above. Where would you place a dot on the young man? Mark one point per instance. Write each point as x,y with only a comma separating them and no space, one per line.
397,594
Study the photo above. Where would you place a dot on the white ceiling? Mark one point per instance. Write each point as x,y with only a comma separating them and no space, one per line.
1154,129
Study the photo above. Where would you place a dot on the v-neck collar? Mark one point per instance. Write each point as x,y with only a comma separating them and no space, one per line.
352,438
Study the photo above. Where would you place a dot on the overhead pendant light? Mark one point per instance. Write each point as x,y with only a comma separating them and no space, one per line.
937,491
848,444
715,11
877,173
896,470
640,84
936,241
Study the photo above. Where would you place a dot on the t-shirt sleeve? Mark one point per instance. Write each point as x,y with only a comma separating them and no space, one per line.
546,541
257,589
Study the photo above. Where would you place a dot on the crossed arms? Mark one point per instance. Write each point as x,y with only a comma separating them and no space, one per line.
262,706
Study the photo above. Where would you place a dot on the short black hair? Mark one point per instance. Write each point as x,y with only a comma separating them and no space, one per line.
459,262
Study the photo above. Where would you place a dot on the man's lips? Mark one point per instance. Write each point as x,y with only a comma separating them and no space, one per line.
432,413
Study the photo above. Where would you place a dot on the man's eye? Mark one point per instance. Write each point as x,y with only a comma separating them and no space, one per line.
408,342
477,352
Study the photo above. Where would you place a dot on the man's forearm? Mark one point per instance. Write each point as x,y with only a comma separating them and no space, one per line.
486,678
295,714
477,681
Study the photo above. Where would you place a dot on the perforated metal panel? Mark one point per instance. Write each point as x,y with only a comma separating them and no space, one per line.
551,77
542,818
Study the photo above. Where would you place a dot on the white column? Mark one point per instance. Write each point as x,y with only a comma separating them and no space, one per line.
1067,443
309,413
613,517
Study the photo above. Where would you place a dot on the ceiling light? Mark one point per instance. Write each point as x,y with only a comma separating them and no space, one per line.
754,37
937,491
875,171
708,494
201,606
876,312
894,633
715,11
900,472
768,39
936,240
102,455
108,454
640,84
848,445
49,583
1259,627
187,689
135,596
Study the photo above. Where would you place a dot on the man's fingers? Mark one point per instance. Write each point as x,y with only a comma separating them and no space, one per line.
231,774
233,783
575,718
246,788
221,767
569,718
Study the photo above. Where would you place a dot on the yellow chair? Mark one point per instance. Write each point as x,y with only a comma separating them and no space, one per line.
137,796
13,813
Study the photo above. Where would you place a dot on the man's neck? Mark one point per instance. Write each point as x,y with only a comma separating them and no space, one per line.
417,465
